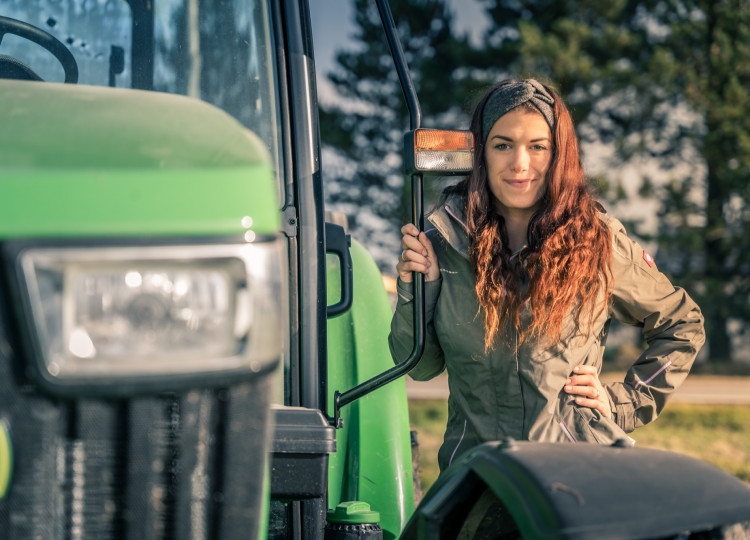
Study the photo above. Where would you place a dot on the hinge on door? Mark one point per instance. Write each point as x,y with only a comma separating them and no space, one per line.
289,221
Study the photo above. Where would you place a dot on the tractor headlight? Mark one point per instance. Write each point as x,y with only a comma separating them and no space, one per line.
115,315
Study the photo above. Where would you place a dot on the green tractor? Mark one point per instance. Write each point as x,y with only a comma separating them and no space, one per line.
190,347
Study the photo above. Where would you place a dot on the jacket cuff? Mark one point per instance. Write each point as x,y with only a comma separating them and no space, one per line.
405,292
624,416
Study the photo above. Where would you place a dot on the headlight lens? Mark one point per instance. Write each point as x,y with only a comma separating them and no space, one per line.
132,312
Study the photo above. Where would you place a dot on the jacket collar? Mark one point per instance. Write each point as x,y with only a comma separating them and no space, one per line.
450,221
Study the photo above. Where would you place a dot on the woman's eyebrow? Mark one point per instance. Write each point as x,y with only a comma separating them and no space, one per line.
509,139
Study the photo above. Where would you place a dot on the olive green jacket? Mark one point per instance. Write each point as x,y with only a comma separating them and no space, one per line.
519,394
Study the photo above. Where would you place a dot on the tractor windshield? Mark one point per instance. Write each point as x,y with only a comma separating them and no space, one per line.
218,51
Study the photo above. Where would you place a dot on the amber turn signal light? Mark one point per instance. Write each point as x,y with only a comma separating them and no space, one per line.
438,152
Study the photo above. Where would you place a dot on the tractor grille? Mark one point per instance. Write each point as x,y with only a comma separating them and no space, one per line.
181,466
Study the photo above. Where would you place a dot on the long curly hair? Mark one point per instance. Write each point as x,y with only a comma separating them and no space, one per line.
567,263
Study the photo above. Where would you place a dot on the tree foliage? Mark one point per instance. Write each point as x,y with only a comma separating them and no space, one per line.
668,82
363,130
662,83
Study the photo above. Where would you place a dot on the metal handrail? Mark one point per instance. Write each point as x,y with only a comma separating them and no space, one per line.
417,207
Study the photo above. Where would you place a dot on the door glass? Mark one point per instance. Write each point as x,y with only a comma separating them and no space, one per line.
221,52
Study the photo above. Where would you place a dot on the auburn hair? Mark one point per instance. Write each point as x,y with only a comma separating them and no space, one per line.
567,263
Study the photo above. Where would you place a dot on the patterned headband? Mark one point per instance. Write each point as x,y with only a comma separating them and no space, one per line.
509,96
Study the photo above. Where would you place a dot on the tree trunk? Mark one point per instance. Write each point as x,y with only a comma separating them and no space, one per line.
719,346
716,238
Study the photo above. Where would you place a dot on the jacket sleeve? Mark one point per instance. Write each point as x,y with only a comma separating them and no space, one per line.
401,340
671,323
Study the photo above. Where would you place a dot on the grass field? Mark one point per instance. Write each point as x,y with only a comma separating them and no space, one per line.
719,434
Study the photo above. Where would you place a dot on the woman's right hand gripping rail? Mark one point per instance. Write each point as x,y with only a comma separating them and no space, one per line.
417,255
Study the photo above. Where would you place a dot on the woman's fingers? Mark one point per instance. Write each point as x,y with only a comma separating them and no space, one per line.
411,243
596,404
576,387
585,385
417,255
584,369
433,271
410,230
414,240
412,261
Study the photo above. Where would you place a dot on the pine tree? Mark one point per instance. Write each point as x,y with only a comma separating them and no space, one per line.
667,82
664,83
362,131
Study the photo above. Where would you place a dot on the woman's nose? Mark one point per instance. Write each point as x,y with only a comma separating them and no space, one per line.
520,160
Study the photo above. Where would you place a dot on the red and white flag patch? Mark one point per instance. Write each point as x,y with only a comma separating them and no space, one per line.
648,258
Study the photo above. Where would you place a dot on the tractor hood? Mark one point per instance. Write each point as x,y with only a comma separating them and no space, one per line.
48,125
82,160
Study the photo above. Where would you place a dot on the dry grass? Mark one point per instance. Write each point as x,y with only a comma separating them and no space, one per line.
719,434
428,418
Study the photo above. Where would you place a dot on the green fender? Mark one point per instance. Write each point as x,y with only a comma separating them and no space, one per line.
6,459
372,462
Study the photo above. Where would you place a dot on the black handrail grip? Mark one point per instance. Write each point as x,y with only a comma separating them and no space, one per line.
338,243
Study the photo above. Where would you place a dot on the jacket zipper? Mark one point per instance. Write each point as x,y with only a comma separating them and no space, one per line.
652,377
567,432
459,444
520,386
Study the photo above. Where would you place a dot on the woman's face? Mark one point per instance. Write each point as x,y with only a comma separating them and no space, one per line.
517,155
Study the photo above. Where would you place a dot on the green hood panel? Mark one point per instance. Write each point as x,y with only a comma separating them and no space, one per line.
89,161
48,125
196,202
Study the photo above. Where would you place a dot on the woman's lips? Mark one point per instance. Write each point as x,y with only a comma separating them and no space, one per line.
520,183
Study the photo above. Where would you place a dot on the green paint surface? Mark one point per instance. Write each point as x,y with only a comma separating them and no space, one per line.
62,126
202,202
6,460
372,462
79,160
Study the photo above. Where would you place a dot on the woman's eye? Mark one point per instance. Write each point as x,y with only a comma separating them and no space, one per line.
539,148
502,146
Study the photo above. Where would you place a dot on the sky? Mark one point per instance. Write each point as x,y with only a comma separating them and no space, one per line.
333,26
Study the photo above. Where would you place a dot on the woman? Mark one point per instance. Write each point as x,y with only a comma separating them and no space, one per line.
523,273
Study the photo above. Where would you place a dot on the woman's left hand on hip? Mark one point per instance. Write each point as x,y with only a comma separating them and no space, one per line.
585,385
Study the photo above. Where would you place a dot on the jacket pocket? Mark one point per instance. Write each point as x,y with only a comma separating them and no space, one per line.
583,424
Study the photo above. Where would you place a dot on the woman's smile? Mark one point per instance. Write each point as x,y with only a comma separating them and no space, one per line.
519,182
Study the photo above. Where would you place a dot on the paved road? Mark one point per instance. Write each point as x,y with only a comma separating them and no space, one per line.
696,389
